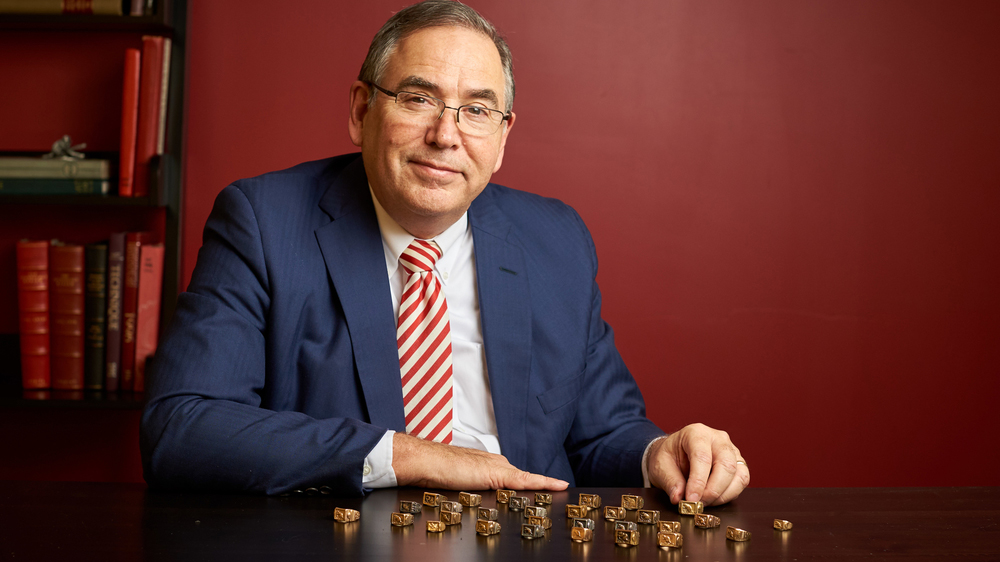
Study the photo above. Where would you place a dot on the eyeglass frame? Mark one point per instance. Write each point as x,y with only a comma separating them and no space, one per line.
458,110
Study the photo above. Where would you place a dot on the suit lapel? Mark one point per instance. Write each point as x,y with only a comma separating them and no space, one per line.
506,318
352,248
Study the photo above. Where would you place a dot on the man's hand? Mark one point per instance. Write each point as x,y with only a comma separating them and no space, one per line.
698,463
427,464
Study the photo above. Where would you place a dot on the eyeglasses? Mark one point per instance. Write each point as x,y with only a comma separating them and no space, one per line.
473,120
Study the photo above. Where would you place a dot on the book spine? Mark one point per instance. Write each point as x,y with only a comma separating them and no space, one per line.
150,82
95,314
33,308
113,336
136,8
47,186
147,322
161,128
130,117
54,168
102,7
66,301
130,297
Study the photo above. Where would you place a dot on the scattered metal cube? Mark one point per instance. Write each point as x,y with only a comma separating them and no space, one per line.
665,539
592,501
543,498
581,534
451,506
626,538
470,500
576,510
485,527
535,510
450,517
631,502
488,513
647,516
517,503
402,519
409,507
626,526
612,513
345,515
668,527
690,508
529,531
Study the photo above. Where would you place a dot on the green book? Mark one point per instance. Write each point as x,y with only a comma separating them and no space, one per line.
53,168
38,186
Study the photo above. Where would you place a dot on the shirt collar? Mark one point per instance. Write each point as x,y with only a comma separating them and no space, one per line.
395,238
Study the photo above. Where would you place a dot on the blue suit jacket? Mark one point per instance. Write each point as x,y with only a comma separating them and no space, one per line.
280,369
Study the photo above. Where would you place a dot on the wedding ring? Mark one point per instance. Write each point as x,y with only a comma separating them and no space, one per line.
782,525
470,500
668,527
581,534
344,515
402,519
690,508
706,521
631,502
669,539
734,534
647,516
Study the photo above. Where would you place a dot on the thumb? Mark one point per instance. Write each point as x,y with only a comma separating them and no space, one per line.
664,473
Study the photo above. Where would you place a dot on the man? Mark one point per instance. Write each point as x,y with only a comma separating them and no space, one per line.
393,319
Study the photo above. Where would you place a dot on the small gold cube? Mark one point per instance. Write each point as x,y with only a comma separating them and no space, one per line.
344,515
626,538
592,501
782,525
436,527
581,534
451,506
433,500
576,510
543,498
706,521
540,520
626,526
612,513
470,500
529,531
668,527
584,522
647,516
535,510
690,508
665,539
409,507
484,527
734,534
488,513
503,496
451,517
402,519
631,502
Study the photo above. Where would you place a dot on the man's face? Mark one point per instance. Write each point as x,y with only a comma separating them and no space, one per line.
426,176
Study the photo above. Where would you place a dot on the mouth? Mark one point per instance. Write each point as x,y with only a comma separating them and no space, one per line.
435,169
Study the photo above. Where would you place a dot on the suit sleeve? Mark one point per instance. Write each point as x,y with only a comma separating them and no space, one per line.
610,432
203,427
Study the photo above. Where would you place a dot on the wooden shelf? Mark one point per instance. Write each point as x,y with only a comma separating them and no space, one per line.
159,24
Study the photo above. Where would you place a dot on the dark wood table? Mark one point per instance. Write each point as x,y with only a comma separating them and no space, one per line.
87,521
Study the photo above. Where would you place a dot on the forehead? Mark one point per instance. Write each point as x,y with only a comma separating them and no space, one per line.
454,58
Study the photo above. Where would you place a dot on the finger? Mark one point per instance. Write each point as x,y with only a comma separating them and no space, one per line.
723,472
699,454
736,487
521,480
664,473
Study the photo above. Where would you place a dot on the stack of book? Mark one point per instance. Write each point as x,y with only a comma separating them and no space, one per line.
97,7
89,315
53,176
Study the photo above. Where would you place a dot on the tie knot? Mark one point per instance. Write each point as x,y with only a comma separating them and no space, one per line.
420,255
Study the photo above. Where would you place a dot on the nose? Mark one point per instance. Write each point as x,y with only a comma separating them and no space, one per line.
443,132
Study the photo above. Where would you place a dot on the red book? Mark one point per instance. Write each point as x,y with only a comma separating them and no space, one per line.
113,337
150,90
147,320
33,305
130,298
130,118
66,301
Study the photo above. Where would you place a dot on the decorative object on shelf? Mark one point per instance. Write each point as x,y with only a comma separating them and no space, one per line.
64,149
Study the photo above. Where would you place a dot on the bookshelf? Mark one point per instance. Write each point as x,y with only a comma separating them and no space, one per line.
83,215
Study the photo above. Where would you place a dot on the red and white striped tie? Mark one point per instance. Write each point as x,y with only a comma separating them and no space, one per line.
423,334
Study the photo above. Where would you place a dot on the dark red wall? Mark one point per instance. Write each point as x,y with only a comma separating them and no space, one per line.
794,203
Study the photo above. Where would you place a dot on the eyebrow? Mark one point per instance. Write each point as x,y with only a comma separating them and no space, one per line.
485,94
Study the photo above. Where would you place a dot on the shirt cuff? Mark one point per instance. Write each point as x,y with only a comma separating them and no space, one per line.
645,455
377,471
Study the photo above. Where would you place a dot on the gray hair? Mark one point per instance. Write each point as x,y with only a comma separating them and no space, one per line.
432,13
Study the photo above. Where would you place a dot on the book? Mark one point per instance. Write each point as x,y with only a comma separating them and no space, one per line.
147,320
151,90
130,118
102,7
12,167
66,305
130,297
113,335
95,314
136,7
161,128
41,186
33,312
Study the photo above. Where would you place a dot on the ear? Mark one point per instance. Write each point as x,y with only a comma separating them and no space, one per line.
507,126
359,109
